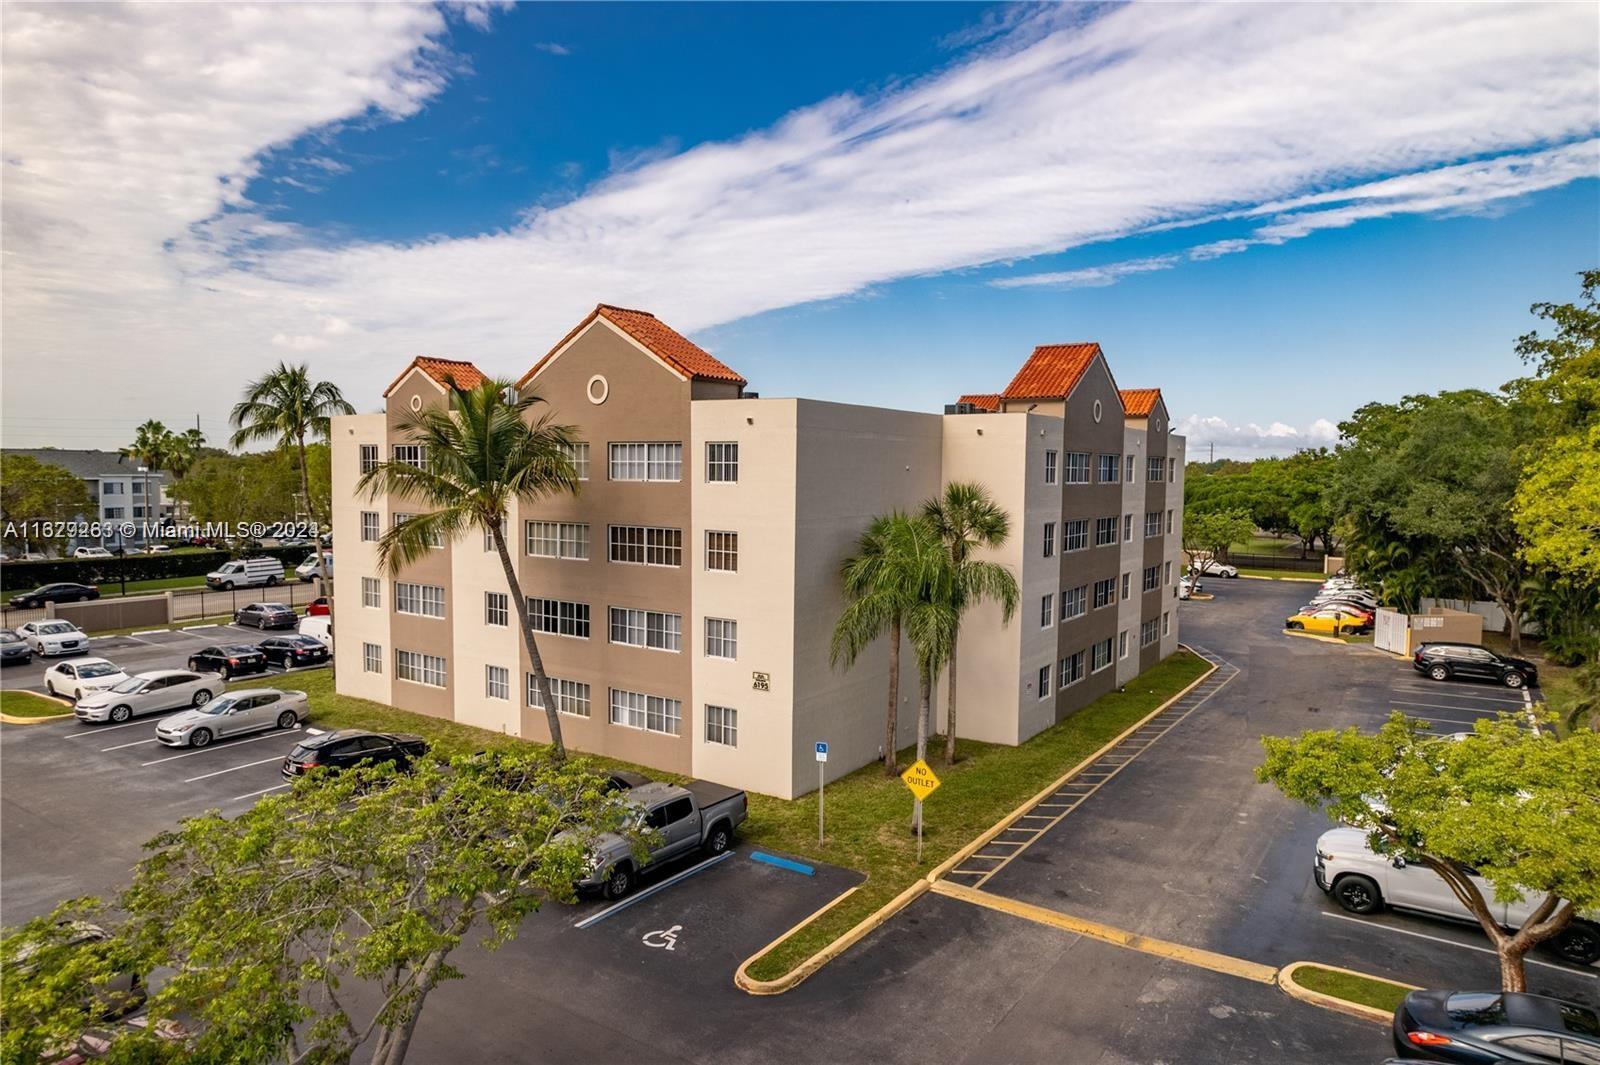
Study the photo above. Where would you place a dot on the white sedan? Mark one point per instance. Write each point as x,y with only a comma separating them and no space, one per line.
81,677
1210,567
91,552
148,693
52,637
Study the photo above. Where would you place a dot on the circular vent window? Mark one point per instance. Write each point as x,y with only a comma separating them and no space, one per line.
416,402
598,390
1097,410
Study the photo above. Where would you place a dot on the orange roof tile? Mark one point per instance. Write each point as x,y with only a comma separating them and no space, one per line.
982,400
444,373
666,343
1139,402
1052,371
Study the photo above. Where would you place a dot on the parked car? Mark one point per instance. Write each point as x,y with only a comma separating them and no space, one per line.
1329,621
149,693
1365,882
63,592
14,649
1210,567
158,549
91,552
53,637
319,629
1355,604
119,995
81,677
1495,1027
699,815
624,780
267,616
347,747
292,651
228,660
307,570
1465,661
235,714
320,607
26,556
246,573
1360,598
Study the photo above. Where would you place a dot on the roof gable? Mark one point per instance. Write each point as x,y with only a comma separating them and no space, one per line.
442,372
1139,402
989,401
681,355
1052,371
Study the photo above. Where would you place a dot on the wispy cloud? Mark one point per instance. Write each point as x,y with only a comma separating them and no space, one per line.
553,47
130,235
1250,440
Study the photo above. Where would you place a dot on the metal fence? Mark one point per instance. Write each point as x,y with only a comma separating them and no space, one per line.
192,604
1310,564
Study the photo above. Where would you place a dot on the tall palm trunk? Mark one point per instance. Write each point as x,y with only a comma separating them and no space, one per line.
950,719
924,715
891,739
541,682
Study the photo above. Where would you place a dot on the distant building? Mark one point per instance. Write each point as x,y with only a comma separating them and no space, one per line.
115,483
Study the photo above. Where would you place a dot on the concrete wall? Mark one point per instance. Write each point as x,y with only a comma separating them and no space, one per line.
353,623
100,614
1172,562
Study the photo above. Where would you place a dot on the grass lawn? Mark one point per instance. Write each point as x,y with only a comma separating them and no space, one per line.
1276,574
27,704
1559,686
1364,990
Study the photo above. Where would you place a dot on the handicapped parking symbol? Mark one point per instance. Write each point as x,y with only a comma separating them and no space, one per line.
667,938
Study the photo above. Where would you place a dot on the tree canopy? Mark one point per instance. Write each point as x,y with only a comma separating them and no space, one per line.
34,491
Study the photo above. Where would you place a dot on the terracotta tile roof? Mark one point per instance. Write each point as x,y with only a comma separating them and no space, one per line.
1052,371
443,371
1139,402
666,343
982,400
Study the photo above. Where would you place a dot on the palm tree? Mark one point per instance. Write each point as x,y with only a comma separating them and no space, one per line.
881,583
483,453
965,518
183,452
285,407
152,444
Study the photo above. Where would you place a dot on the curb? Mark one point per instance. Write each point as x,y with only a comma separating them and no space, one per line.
1255,577
11,719
1287,985
1313,636
795,976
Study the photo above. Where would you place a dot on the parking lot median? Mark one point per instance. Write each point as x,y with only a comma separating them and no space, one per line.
1345,990
26,708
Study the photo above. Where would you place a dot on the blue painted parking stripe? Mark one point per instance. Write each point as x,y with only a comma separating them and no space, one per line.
782,863
641,896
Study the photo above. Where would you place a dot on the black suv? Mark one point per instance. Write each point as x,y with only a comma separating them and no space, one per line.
1465,661
352,746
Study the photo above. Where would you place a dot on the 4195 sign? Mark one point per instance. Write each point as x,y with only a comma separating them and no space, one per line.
761,682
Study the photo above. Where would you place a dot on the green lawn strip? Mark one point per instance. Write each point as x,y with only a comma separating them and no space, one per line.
1362,990
869,815
27,704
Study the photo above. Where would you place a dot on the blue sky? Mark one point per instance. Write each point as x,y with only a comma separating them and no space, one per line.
1274,214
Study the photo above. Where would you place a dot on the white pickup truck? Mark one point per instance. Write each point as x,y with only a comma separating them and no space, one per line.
698,815
1364,882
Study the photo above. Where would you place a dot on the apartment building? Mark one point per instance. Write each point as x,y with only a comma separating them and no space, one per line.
685,598
115,484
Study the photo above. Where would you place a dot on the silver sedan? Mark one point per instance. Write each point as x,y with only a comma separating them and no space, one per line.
234,714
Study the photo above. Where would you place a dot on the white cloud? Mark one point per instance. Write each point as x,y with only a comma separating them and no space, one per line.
553,47
128,130
1251,440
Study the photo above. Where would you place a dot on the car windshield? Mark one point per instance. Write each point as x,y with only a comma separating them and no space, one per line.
219,706
129,686
8,636
98,669
51,628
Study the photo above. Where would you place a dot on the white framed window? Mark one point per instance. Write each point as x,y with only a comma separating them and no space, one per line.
1149,632
1127,585
497,682
115,512
1122,644
722,725
722,551
1166,623
369,526
425,600
722,638
1169,523
1172,472
1049,538
1152,578
647,628
1050,467
578,455
1071,669
369,457
497,608
1128,470
411,455
571,697
1047,610
1075,535
435,540
1105,531
647,462
1167,573
652,713
1110,467
371,592
488,537
1076,470
1127,527
1152,523
371,658
556,539
559,617
722,462
113,488
1101,655
419,668
646,545
1044,682
1105,592
1074,602
1154,468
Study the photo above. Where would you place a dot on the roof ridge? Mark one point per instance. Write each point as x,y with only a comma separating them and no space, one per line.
624,310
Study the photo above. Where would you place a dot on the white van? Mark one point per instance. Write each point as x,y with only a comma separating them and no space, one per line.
246,573
318,627
307,570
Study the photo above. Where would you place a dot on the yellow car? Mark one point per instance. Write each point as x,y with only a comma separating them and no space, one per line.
1331,621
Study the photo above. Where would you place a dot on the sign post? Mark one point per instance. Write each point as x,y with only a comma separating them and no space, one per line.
922,782
822,759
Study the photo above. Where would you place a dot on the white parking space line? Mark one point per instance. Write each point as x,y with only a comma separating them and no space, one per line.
1457,943
654,889
231,768
1457,709
1447,693
263,791
95,730
207,749
135,743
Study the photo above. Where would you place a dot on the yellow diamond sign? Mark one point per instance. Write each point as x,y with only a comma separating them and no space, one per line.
920,779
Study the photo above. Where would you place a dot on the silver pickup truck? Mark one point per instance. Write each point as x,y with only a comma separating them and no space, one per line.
698,815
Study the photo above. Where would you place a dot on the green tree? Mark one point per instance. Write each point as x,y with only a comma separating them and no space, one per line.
483,453
1214,531
286,408
965,518
1517,807
33,491
152,443
366,877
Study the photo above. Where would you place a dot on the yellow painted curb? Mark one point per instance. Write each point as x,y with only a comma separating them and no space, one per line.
1161,948
1313,636
12,719
749,984
1256,577
1286,983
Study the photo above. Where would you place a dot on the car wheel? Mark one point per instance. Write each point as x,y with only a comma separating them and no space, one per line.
1358,894
225,672
287,719
1294,626
119,714
719,839
619,882
1580,943
51,688
1513,679
227,586
1439,672
201,698
200,737
271,581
